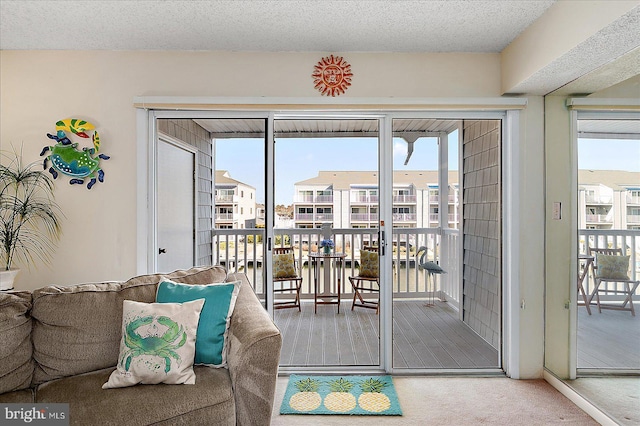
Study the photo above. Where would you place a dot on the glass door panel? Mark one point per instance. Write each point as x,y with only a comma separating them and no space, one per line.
239,196
430,330
608,202
326,188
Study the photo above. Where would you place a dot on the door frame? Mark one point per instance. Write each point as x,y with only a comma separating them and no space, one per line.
197,107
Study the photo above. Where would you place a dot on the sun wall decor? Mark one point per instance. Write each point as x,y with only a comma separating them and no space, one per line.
67,159
332,75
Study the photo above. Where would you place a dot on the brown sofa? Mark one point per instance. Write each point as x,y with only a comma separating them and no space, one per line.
60,344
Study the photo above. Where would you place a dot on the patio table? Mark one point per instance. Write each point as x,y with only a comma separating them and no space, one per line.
329,261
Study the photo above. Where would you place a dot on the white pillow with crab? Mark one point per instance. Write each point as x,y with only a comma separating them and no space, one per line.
158,344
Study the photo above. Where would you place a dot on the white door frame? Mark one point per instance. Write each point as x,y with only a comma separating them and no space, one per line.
366,107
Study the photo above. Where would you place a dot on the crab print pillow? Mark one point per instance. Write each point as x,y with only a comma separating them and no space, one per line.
158,344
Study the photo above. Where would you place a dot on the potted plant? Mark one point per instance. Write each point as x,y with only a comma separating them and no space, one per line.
29,216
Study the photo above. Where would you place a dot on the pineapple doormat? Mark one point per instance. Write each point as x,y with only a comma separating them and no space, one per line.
356,395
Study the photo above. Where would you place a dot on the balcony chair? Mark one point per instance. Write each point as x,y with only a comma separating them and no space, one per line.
286,278
610,265
367,282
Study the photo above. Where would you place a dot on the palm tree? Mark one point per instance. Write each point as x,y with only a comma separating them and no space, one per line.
29,217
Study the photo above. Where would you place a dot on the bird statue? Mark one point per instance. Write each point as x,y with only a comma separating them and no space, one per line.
431,268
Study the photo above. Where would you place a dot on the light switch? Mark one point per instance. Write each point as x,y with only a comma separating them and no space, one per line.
557,210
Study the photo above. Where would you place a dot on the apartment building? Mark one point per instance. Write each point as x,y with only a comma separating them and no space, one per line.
349,199
235,203
608,199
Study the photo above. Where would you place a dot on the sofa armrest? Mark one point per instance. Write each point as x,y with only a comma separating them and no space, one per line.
253,356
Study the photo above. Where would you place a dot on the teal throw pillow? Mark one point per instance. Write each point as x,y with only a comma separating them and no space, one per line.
220,299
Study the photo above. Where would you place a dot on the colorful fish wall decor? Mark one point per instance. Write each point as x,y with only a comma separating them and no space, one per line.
66,158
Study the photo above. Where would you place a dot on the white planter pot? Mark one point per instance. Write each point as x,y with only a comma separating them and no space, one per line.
7,278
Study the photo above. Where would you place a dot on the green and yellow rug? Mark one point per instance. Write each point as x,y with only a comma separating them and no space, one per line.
355,395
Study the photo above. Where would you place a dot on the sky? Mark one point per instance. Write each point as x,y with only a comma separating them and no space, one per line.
298,159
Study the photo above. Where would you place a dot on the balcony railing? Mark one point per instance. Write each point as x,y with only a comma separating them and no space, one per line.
226,198
627,240
404,198
404,217
243,250
597,199
324,199
633,199
367,199
598,218
364,217
311,217
224,216
633,218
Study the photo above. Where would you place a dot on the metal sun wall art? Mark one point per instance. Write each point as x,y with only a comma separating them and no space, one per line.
332,75
67,159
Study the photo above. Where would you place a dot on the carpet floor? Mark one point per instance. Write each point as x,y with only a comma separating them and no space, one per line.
459,401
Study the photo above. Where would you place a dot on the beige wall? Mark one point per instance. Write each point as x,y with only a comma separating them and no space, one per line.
40,87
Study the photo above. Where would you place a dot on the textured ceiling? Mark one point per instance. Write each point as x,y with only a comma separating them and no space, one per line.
608,57
268,25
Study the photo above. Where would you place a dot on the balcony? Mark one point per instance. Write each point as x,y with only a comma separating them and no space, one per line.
364,199
404,217
633,218
633,199
226,198
364,217
404,199
597,199
242,250
224,217
598,218
313,217
324,199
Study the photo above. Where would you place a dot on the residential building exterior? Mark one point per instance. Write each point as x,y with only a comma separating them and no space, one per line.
608,199
349,199
235,203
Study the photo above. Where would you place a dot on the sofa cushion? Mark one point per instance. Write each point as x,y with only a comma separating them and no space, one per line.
77,329
209,401
16,365
23,396
158,344
220,299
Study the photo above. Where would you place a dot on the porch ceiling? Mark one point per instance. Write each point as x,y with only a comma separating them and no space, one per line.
609,129
245,128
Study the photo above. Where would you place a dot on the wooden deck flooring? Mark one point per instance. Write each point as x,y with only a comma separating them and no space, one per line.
424,337
433,338
610,340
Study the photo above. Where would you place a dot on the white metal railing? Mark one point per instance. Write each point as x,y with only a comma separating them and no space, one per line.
633,199
404,217
243,250
324,199
226,198
364,217
598,199
633,218
369,199
224,216
627,240
404,198
598,218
